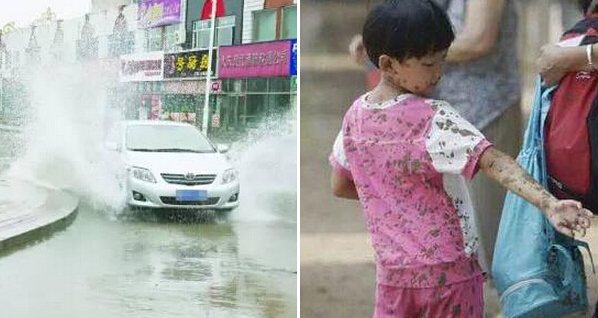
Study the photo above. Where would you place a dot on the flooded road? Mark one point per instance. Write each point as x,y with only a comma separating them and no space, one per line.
165,264
106,264
153,267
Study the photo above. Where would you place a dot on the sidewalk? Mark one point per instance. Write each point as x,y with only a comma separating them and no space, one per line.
30,212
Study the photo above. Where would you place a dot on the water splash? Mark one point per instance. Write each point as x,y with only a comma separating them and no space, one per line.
63,147
63,135
267,161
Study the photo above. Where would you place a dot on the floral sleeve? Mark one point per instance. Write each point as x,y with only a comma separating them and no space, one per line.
453,143
338,159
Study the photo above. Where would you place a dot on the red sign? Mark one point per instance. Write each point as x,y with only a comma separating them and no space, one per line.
267,59
216,87
206,12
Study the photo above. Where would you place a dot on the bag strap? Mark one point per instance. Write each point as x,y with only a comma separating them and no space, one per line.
533,134
585,245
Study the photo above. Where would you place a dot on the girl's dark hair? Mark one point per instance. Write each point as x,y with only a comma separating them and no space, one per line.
406,28
584,5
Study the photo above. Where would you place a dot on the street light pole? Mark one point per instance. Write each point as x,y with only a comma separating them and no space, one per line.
206,104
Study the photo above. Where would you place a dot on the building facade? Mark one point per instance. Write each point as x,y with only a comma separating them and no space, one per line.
157,52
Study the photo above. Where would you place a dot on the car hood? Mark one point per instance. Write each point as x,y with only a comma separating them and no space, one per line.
178,162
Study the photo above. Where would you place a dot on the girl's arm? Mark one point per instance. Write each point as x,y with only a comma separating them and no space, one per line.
342,186
567,216
555,61
479,34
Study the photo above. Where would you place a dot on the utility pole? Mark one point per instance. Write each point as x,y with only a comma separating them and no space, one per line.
1,82
206,104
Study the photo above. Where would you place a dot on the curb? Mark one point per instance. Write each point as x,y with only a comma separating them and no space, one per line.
30,227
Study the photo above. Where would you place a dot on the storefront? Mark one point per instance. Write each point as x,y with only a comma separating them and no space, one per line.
184,85
164,86
257,83
140,76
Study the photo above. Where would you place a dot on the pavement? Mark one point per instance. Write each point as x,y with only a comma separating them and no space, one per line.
30,212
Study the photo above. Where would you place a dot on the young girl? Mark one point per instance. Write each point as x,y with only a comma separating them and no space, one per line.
406,157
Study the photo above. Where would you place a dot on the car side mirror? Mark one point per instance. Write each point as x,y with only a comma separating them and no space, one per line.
110,145
222,148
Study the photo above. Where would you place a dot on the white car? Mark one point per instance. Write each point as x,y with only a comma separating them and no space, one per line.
174,165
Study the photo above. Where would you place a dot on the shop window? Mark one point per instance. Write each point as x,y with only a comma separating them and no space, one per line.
233,85
239,86
180,103
289,22
264,25
223,34
122,43
171,37
279,84
227,85
257,85
153,39
256,108
278,104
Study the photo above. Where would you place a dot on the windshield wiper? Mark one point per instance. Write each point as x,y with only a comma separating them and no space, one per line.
178,150
143,149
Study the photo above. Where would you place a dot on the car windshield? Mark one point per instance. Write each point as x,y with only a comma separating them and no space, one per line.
166,138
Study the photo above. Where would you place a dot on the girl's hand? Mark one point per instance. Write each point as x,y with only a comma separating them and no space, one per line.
569,217
553,63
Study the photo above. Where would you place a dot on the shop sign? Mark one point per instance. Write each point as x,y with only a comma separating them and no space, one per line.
293,63
255,60
154,13
190,64
141,67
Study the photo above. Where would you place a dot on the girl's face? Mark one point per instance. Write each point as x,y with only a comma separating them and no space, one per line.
417,75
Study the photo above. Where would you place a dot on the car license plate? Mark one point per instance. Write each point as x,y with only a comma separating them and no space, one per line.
191,195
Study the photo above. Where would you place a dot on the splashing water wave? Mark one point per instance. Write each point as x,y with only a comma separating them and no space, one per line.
63,147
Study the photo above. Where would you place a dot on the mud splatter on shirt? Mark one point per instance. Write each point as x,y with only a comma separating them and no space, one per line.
409,158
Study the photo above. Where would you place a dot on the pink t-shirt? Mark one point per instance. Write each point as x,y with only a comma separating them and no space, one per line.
409,159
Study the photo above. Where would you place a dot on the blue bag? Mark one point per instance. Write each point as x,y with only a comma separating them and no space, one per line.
538,271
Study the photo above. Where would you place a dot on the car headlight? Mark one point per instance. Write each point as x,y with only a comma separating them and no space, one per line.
143,174
230,175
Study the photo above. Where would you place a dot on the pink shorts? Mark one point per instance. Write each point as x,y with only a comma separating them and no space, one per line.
460,300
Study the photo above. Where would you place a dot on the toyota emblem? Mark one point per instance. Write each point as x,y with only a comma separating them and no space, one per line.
190,176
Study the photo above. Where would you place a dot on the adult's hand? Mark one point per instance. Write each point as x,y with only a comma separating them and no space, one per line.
555,61
357,50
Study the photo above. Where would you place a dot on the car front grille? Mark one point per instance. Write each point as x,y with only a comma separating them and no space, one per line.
197,179
173,201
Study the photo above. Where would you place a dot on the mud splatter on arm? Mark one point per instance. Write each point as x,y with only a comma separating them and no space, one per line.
508,173
567,216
